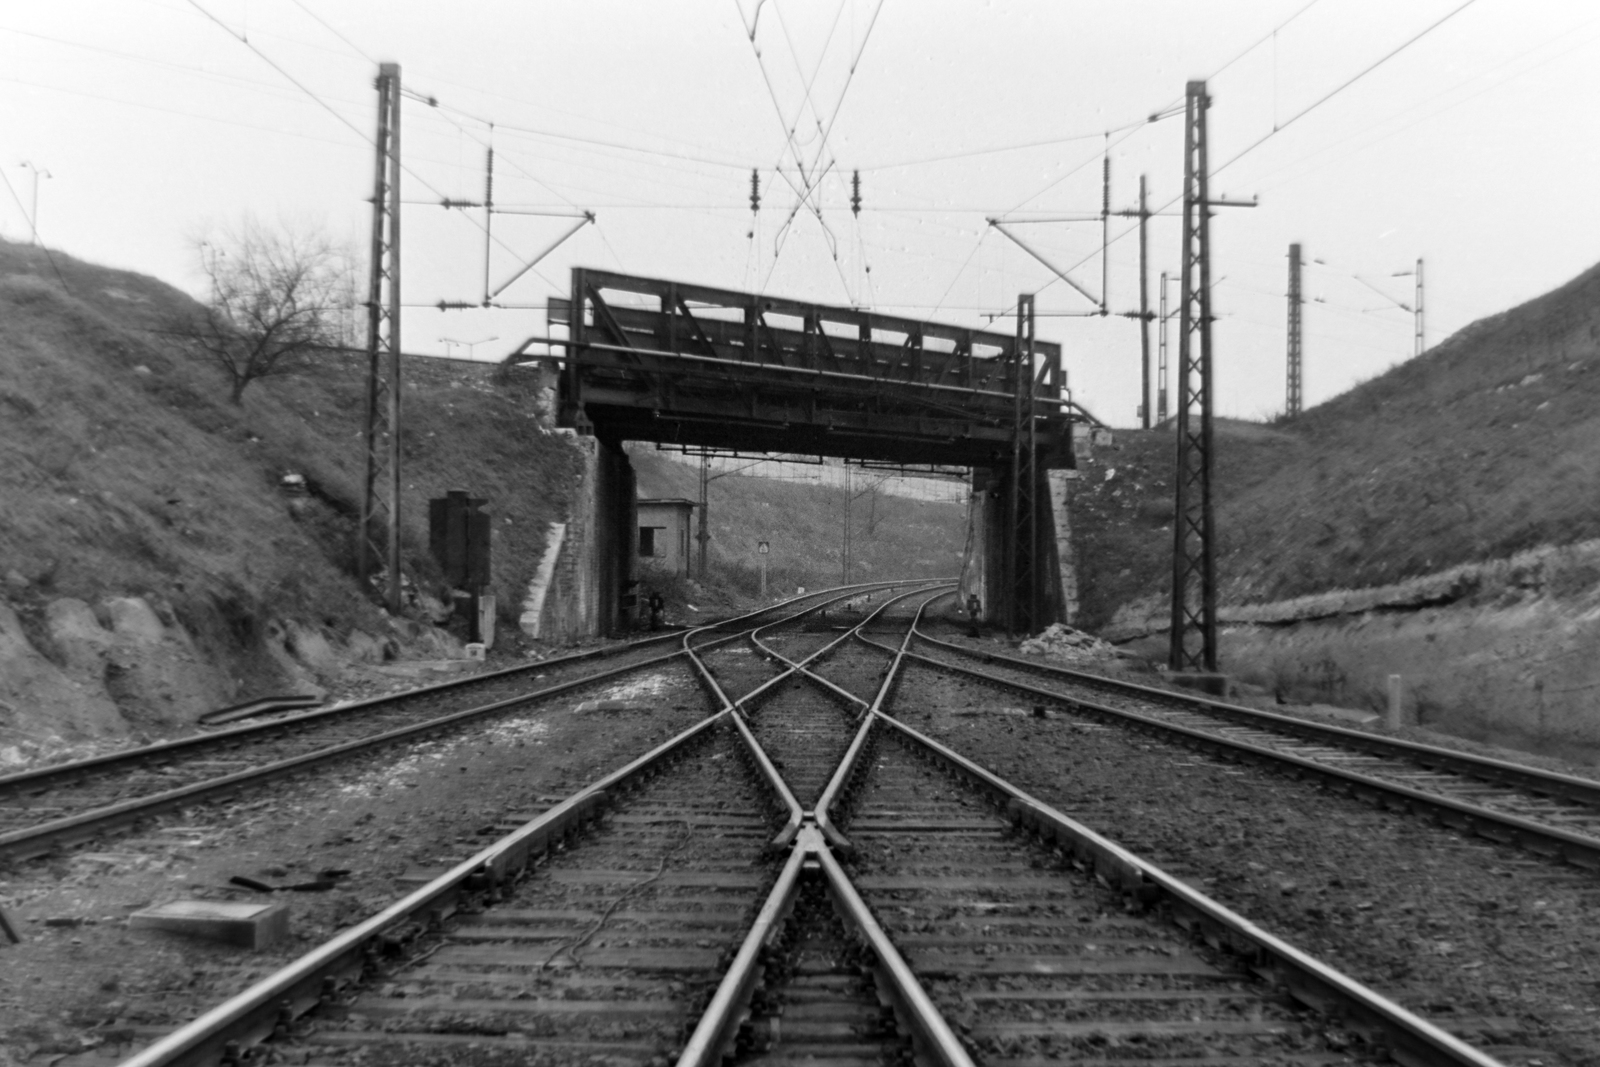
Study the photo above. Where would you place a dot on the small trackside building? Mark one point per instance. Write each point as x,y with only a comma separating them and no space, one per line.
664,536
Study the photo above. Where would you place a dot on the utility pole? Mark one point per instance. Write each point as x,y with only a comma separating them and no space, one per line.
849,499
1161,366
704,535
1193,635
1291,406
1144,311
33,217
1194,581
1105,235
1421,342
381,498
488,213
1022,541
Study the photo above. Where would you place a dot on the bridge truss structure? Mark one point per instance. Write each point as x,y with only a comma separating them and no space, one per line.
669,362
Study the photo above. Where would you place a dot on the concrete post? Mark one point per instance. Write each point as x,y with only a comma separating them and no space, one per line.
1394,717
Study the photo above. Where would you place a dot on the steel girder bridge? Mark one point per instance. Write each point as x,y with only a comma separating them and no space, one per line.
673,363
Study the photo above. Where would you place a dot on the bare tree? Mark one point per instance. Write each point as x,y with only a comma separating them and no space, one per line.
276,297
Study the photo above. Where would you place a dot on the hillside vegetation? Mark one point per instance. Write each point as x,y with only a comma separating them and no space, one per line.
128,472
1487,444
891,536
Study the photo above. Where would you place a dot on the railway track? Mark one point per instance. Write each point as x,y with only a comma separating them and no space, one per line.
721,896
59,805
1551,814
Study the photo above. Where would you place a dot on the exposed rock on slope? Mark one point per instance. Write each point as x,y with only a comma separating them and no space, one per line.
138,499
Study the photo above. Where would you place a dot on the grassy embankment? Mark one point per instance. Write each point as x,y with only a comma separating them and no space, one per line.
892,537
129,473
1486,445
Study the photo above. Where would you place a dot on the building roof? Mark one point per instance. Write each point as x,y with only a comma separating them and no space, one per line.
678,501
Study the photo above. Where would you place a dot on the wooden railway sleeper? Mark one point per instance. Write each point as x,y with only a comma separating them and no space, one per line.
1409,1039
1504,828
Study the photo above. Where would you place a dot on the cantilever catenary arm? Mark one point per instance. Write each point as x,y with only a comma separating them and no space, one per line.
1057,271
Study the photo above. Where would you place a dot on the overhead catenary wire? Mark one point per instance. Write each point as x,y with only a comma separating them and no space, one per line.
1341,87
1166,111
48,255
165,64
325,24
143,105
244,39
822,54
1284,125
1564,35
811,178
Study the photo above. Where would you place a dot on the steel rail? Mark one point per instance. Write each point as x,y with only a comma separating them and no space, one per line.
1581,850
277,1000
800,667
763,763
930,1033
1484,768
288,993
852,756
319,975
75,769
1416,1040
792,667
1412,1039
712,1039
46,837
719,1024
221,738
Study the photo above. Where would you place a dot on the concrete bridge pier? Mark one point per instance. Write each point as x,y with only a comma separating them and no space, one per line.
993,545
586,584
616,538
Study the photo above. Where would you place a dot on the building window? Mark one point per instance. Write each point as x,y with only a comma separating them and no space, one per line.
647,541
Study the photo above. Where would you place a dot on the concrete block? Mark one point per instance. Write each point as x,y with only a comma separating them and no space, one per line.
486,615
253,926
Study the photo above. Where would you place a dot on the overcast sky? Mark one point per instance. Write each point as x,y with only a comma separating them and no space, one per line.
1468,148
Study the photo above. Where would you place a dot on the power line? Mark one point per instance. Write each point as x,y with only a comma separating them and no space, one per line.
269,61
507,158
1282,126
328,26
148,60
772,92
822,54
962,269
1167,110
1297,116
175,111
48,255
850,75
1022,146
531,131
242,39
1453,104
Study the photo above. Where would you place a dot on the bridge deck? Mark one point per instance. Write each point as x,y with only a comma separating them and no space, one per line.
662,361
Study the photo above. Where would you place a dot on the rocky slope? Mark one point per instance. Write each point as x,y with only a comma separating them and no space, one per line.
164,551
